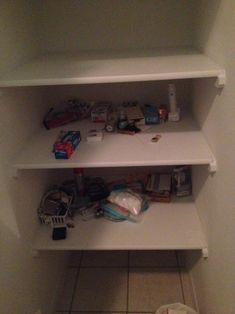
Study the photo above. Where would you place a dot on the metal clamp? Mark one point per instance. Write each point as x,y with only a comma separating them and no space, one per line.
221,80
212,166
205,252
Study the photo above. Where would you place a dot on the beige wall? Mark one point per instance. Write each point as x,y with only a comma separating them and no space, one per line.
143,92
17,33
114,24
214,278
27,283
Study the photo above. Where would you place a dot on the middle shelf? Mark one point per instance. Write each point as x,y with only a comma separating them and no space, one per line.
181,143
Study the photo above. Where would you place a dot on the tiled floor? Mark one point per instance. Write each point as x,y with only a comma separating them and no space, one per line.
123,282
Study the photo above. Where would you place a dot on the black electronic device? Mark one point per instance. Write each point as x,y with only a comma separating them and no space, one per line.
59,233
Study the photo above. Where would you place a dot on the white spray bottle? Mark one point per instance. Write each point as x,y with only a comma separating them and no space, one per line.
174,114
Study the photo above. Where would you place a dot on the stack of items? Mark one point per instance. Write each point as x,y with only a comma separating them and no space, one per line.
130,114
159,187
100,111
73,110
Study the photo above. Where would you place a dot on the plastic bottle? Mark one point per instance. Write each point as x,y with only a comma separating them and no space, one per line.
123,122
79,178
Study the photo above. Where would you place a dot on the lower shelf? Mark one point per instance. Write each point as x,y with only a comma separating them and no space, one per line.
172,226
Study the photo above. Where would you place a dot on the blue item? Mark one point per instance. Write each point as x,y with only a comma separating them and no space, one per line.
151,114
66,143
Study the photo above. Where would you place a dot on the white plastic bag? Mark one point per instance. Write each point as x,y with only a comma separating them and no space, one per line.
128,199
175,306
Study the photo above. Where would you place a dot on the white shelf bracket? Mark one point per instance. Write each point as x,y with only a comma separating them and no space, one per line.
14,172
221,80
213,166
205,252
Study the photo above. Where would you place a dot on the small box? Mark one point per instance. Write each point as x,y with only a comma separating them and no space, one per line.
134,113
94,136
151,114
66,143
159,187
99,113
182,181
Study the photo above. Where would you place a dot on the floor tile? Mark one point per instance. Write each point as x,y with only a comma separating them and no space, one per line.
101,289
187,289
153,259
66,290
105,259
153,287
75,259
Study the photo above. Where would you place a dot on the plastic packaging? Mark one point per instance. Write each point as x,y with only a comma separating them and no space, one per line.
116,213
96,189
123,122
79,178
182,182
128,199
164,309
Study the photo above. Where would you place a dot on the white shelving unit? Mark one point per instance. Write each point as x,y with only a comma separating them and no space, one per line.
114,66
164,226
172,226
181,143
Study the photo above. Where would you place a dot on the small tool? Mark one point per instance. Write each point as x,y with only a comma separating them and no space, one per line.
156,138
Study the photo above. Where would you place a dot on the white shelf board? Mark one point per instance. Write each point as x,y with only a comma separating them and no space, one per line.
181,143
172,226
112,66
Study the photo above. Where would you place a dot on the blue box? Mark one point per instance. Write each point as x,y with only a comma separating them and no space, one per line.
151,115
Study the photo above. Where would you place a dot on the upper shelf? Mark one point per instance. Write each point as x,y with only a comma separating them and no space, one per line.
181,143
114,66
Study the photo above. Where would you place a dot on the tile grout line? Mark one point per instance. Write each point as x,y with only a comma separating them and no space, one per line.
180,276
128,273
107,312
123,267
76,283
95,312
